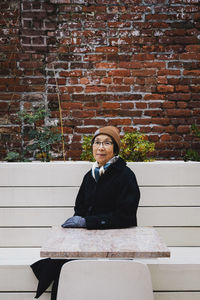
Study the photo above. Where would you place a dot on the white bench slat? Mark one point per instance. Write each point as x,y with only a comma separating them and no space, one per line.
23,237
170,196
181,272
167,216
23,296
71,173
34,216
180,236
35,237
65,196
147,216
38,196
157,296
177,296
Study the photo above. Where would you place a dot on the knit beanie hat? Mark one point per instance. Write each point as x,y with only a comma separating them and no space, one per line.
111,131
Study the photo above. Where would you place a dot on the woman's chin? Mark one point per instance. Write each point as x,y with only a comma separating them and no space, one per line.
101,162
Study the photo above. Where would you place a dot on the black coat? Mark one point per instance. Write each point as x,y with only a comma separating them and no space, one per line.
112,201
109,203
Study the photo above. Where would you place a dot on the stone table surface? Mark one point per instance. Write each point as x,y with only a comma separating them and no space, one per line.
134,242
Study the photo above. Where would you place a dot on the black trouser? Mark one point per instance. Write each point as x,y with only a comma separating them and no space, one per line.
47,271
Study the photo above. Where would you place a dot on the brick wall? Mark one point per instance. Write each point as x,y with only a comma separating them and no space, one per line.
133,63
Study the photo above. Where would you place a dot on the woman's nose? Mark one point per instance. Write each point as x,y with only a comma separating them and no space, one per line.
101,145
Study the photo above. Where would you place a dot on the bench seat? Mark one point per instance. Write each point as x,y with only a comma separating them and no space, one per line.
36,196
174,278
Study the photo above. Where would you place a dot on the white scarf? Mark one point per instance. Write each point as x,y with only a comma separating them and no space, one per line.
99,171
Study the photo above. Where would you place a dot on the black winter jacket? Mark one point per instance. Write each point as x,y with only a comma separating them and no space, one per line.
112,201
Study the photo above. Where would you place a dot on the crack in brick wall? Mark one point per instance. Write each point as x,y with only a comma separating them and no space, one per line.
132,64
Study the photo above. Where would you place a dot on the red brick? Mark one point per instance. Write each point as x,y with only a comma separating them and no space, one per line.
168,72
141,105
86,130
179,97
75,73
107,49
83,114
118,122
183,129
162,80
119,24
106,65
142,121
195,88
119,88
189,56
107,80
143,57
129,80
182,104
154,105
72,105
193,48
169,104
165,88
154,97
191,72
126,105
165,137
118,80
97,122
143,73
111,105
120,73
95,89
178,112
130,65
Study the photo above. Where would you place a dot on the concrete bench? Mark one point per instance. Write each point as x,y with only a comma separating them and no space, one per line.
36,196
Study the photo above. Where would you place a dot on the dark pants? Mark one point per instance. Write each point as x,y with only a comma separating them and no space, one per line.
47,271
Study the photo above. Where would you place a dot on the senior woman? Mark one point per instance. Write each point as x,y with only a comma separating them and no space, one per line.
109,194
108,198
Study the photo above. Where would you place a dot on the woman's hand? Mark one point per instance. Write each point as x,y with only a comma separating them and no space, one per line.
74,222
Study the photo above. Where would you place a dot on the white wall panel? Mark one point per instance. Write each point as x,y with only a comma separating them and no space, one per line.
65,196
38,196
169,216
71,173
147,216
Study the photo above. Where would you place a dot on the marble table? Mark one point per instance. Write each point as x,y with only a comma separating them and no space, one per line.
134,242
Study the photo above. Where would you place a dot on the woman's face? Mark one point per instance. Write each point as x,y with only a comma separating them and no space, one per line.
103,151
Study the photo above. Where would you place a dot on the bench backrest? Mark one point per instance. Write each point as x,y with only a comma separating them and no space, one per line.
36,196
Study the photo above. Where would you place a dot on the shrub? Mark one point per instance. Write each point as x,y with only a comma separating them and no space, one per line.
193,154
37,138
134,147
87,149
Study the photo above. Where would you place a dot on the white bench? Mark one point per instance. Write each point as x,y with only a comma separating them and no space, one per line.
36,196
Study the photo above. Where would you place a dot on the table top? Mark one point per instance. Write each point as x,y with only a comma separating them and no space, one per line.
134,242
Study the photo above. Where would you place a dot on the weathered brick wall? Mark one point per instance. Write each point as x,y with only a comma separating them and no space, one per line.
132,63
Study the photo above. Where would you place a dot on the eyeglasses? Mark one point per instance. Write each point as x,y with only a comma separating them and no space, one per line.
104,144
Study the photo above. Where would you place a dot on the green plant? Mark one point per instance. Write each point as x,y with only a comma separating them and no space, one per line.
134,147
190,153
12,156
87,149
38,139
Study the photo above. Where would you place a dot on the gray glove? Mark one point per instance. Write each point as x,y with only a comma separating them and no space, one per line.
74,222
